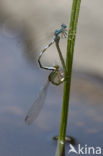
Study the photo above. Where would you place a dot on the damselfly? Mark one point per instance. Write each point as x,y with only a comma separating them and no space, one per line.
56,76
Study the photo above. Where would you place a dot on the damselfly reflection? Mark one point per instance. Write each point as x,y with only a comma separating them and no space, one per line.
56,76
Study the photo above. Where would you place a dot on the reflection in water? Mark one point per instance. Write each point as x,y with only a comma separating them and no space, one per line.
20,83
68,139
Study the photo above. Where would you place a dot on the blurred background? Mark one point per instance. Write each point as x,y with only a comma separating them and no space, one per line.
37,21
26,27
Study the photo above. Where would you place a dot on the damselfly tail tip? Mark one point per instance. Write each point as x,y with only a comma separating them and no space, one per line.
27,120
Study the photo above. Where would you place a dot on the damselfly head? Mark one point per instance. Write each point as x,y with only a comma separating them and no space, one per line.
59,31
63,26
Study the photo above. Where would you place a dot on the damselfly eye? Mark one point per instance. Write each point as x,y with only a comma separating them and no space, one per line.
63,26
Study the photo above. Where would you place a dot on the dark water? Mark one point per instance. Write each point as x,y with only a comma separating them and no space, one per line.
20,82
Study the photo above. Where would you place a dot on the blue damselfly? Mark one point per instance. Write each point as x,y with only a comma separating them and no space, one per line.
56,76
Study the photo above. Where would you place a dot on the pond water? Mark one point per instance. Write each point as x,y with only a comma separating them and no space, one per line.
20,82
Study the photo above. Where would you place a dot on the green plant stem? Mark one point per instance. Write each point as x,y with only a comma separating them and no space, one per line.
69,59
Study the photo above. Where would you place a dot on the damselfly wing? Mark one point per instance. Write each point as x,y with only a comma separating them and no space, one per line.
37,105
